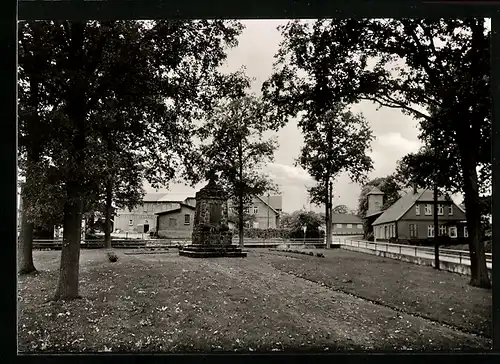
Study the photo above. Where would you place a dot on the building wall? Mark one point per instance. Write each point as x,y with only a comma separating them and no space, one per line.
384,231
133,221
344,229
375,203
422,222
264,216
173,225
422,227
412,215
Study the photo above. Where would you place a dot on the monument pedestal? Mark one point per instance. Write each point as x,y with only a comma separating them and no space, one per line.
211,234
205,251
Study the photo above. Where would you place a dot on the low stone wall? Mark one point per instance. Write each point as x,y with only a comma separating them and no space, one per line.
174,233
443,265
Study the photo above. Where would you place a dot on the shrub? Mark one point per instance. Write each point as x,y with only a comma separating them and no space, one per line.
320,255
112,257
266,233
89,236
311,254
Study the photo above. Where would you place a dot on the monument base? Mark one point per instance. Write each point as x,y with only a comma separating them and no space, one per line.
211,251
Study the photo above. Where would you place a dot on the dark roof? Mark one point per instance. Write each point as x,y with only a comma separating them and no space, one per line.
374,213
401,206
375,191
176,210
152,197
345,219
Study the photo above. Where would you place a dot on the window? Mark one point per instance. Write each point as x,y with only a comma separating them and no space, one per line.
359,226
145,208
256,209
187,219
442,230
453,231
417,210
450,210
339,226
131,222
430,231
413,230
440,209
393,228
466,232
428,209
385,232
255,224
349,226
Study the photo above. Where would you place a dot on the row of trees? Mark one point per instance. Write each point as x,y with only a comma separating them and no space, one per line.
436,71
104,106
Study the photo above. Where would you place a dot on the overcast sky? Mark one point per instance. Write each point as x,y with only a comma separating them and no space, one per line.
395,133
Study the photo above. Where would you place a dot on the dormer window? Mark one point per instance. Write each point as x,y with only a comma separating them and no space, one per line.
417,210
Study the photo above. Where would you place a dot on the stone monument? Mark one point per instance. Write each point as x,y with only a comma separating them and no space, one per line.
211,234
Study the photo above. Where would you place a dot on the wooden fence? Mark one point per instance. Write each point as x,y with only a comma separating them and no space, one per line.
174,242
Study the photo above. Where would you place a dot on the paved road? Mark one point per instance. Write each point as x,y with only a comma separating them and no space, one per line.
411,251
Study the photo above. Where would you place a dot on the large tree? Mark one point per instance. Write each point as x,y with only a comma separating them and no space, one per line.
235,149
389,186
436,71
336,143
159,75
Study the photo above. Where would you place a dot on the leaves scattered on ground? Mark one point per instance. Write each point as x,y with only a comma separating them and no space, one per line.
439,295
176,304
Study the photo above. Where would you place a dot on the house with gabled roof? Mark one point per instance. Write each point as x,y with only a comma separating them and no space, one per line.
412,217
346,224
266,211
143,218
176,223
167,207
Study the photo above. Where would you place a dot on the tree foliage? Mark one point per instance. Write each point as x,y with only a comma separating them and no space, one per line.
295,221
139,84
436,71
341,209
234,149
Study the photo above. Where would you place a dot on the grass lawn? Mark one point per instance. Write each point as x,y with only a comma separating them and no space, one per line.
170,303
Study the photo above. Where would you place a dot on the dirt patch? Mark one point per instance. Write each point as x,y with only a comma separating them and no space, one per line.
441,296
170,303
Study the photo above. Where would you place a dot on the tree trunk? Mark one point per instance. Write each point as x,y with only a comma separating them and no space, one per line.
108,214
67,286
479,271
25,241
436,228
328,218
240,221
240,191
